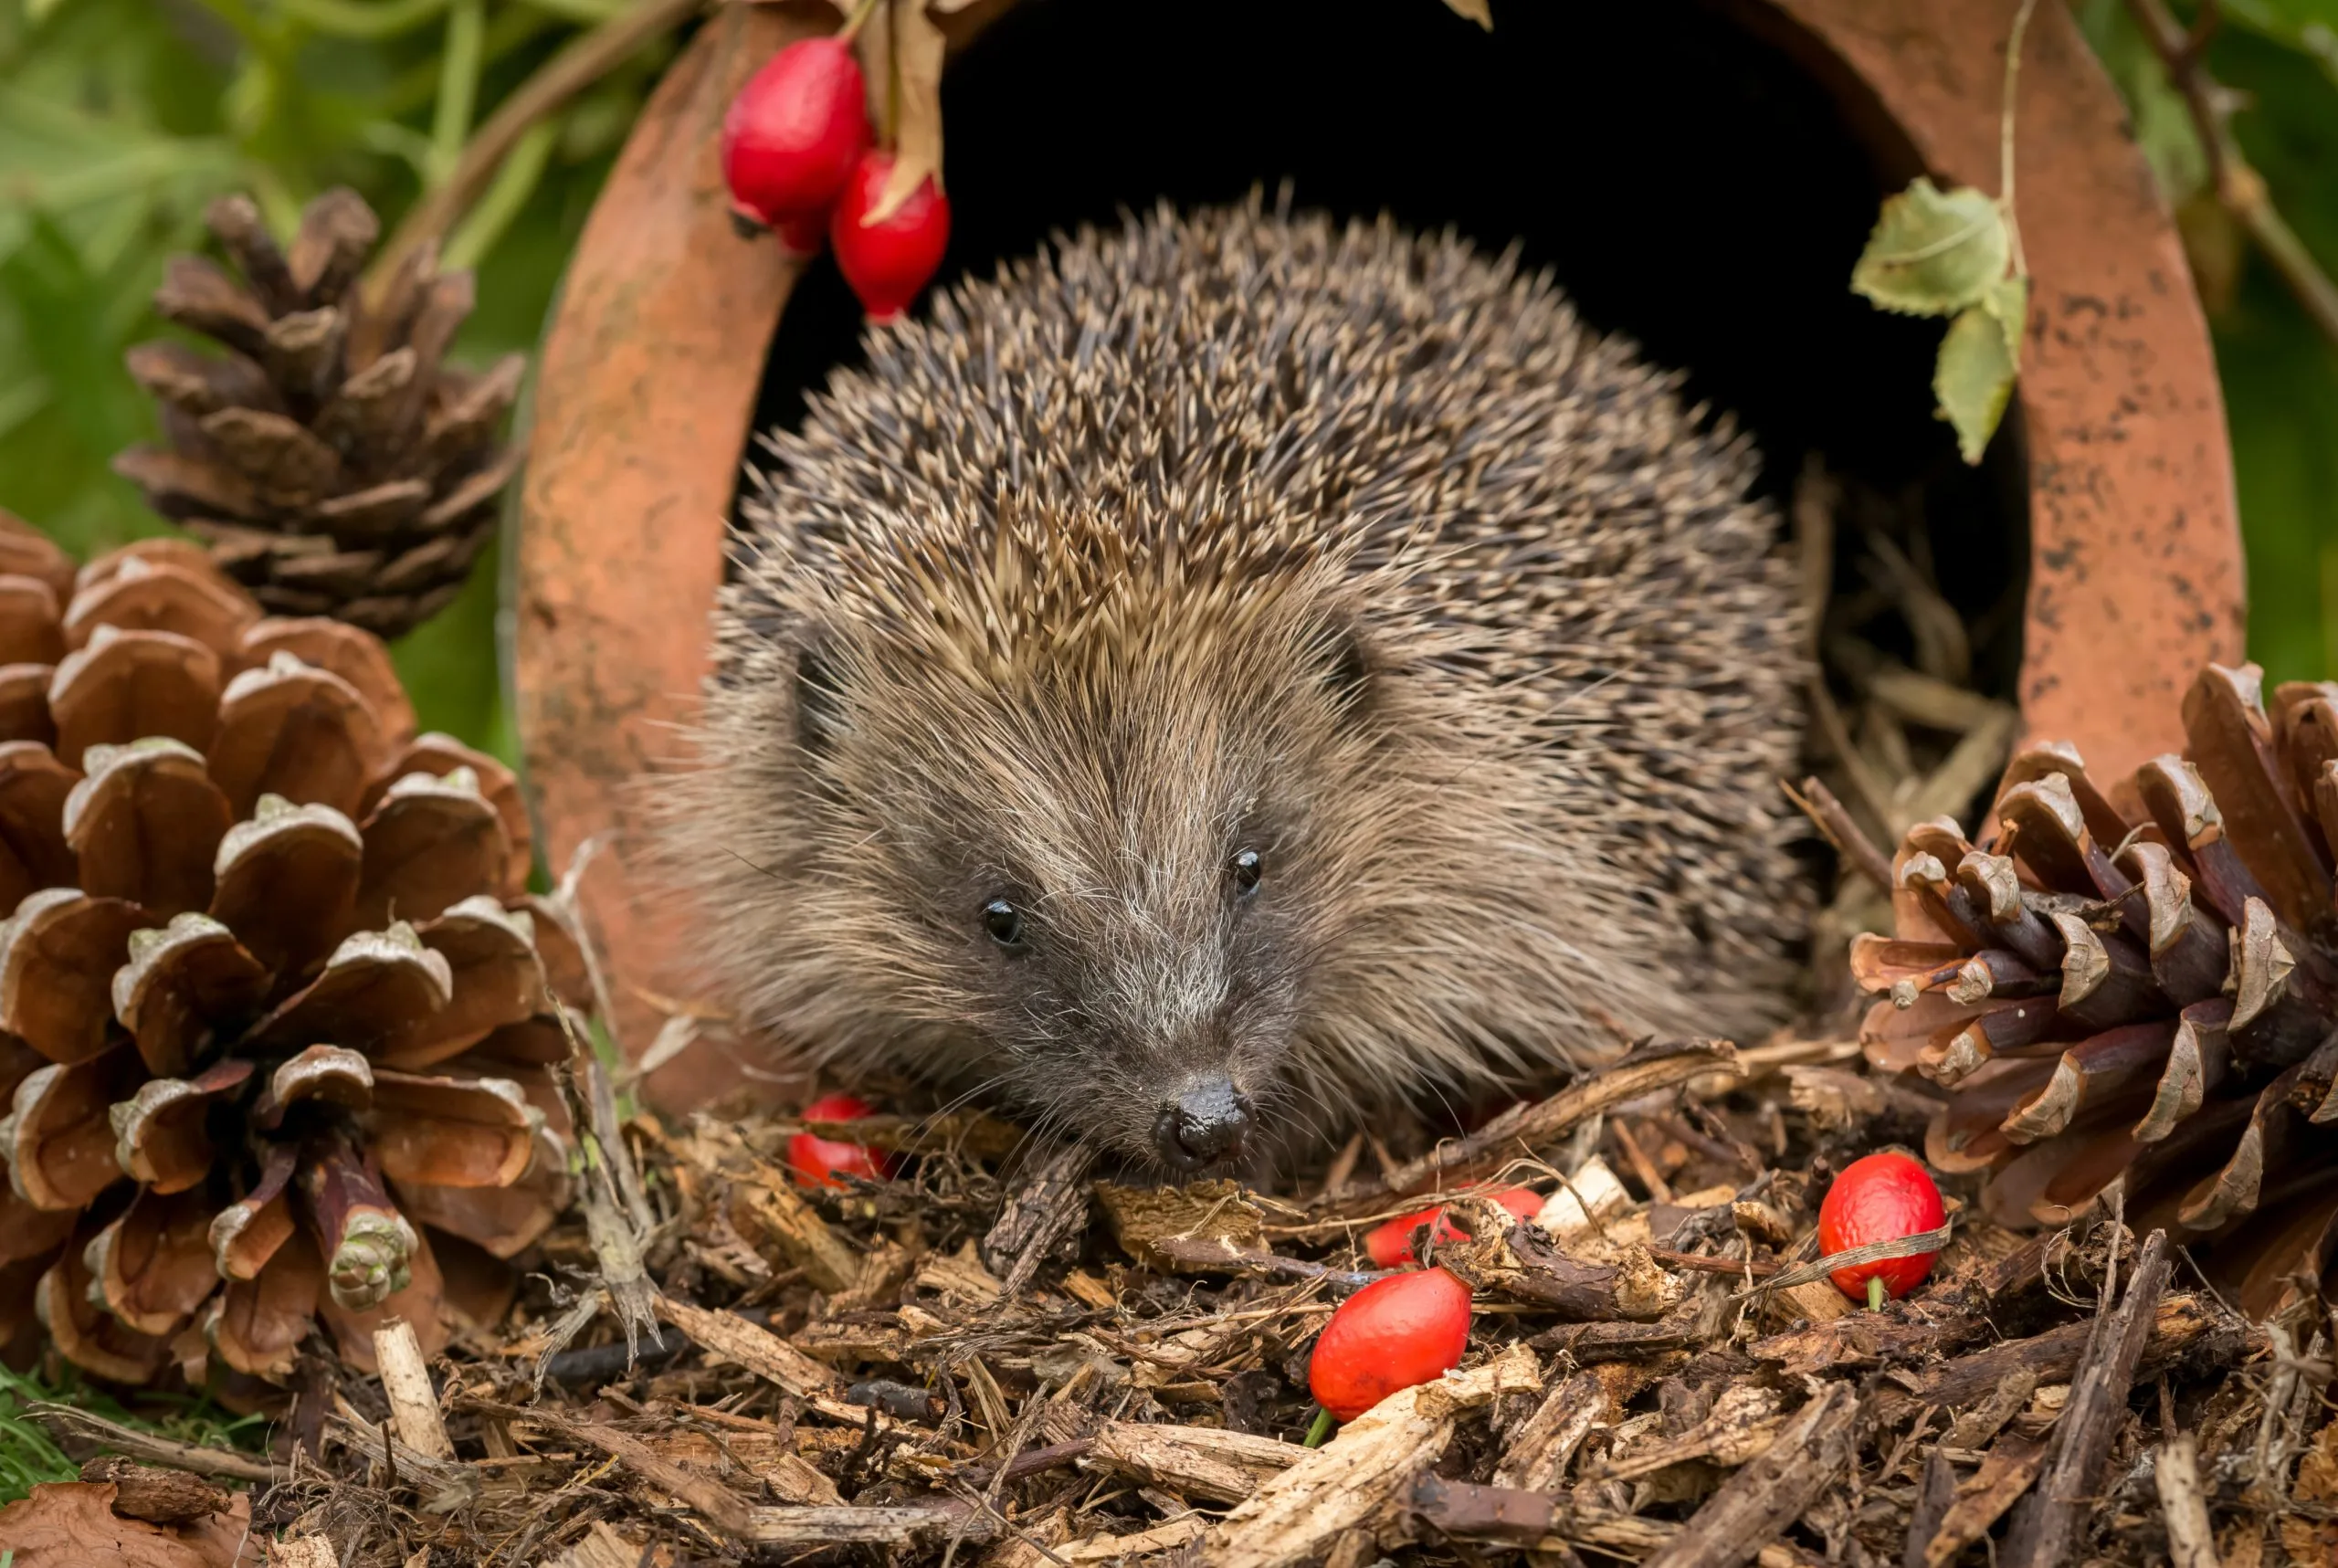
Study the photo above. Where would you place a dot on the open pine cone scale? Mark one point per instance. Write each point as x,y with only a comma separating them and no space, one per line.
336,464
2132,997
277,1004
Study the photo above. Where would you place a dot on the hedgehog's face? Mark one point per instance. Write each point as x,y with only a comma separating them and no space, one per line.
1099,910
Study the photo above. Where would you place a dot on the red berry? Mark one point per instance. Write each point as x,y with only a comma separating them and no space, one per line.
802,234
1390,1246
1395,1332
823,1161
1879,1198
887,263
793,133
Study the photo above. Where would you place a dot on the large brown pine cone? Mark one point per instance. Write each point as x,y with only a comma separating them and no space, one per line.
335,463
2134,996
276,1002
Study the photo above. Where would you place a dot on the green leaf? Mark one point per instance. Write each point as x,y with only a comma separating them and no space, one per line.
1933,252
2008,303
1975,378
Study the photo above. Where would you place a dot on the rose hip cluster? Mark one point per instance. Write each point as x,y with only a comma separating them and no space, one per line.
797,156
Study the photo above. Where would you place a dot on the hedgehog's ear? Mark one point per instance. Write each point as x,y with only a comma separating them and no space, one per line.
820,697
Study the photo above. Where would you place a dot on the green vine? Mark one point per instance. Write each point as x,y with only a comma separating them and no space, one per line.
1957,252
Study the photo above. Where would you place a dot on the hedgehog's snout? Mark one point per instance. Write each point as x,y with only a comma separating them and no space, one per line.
1208,1124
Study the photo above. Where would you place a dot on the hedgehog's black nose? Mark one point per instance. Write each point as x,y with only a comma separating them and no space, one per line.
1206,1126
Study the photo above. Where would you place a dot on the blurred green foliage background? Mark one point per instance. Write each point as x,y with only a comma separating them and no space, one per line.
119,120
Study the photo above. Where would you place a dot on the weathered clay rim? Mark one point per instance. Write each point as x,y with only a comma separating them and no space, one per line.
652,358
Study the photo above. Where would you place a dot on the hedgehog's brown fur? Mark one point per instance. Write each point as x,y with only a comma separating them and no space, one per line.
1229,530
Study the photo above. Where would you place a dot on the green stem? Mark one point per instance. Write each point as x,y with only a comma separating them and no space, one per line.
451,121
510,28
1875,1293
514,184
369,24
852,24
1318,1429
584,60
582,13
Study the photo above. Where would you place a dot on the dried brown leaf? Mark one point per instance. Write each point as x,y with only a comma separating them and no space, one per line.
916,47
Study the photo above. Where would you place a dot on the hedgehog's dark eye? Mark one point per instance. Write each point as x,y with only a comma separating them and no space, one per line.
1246,869
1005,923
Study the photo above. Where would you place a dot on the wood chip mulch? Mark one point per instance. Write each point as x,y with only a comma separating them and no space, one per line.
1002,1357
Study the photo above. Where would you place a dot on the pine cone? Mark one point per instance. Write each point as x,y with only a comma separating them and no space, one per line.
2136,996
272,993
334,463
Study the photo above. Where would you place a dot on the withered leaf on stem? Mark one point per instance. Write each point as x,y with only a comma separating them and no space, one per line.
916,47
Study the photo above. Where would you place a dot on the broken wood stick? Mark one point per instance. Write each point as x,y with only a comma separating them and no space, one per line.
2006,1471
2182,1323
154,1494
1536,1456
1209,1254
1540,1522
1506,1255
1202,1461
717,1504
1366,1468
1835,825
752,1346
1590,1342
1463,1160
1049,1207
2191,1542
795,1227
1933,1496
1472,1512
1754,1506
2047,1524
69,1421
848,1525
414,1415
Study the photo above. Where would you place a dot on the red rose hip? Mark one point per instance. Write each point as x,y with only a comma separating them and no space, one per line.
1394,1333
888,262
793,134
803,233
1390,1245
825,1162
1879,1198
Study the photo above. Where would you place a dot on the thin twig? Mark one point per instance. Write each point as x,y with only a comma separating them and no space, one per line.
1834,821
585,61
2240,187
68,1420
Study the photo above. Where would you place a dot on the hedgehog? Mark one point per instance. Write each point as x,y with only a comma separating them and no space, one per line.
1234,673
